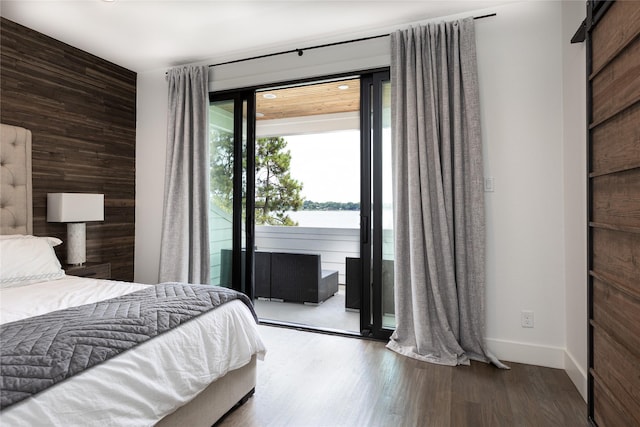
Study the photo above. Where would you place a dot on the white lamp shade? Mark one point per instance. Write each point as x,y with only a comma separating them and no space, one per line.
75,207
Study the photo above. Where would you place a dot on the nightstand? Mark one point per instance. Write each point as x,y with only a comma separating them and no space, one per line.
94,270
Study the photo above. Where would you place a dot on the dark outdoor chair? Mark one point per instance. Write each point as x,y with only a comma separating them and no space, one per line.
300,278
289,277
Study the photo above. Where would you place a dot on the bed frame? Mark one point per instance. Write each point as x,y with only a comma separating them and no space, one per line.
16,217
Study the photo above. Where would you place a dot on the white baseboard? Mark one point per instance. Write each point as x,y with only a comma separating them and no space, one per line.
531,354
540,355
577,374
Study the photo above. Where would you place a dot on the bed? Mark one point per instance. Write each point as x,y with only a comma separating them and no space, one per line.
184,375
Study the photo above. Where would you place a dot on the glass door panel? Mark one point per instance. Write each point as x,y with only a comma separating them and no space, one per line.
307,193
388,305
221,155
243,194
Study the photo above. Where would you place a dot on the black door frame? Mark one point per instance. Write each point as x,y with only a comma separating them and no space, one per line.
371,205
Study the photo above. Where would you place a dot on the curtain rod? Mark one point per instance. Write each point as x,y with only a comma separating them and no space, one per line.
300,52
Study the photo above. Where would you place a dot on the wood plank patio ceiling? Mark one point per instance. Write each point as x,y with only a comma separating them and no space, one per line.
309,100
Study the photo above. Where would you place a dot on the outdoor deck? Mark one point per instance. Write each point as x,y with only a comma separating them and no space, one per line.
329,315
334,245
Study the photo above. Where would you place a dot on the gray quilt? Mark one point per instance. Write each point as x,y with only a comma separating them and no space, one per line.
40,351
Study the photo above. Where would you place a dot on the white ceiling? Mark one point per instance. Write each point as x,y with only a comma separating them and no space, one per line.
144,35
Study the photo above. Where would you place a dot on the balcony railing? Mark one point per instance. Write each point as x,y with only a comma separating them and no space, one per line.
333,244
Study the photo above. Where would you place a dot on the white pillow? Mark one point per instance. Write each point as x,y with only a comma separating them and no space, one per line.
53,241
28,259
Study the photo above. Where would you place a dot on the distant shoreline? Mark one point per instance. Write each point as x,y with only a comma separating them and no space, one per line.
309,205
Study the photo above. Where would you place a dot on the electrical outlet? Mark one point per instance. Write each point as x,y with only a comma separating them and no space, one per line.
526,318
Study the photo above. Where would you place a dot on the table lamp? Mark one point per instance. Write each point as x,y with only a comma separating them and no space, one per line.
75,209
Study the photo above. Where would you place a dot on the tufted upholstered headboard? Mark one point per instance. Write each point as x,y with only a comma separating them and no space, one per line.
16,209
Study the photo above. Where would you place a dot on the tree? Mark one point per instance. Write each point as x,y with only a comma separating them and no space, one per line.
221,169
276,191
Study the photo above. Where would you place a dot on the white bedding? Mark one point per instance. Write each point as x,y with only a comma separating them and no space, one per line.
140,386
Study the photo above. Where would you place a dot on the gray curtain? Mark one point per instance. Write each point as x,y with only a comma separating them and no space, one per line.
439,198
184,251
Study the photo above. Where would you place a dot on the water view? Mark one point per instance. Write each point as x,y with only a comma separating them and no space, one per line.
326,219
336,219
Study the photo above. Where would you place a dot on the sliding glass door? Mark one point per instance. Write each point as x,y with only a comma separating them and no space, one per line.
286,176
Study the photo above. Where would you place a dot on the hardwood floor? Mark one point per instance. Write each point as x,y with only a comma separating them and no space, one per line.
310,379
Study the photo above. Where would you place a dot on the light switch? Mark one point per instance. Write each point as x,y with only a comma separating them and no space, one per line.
489,184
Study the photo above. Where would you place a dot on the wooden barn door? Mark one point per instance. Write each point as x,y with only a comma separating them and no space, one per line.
613,97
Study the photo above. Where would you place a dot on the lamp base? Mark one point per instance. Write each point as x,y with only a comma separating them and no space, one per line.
76,243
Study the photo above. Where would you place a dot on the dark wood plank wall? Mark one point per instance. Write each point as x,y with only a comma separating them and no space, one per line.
82,112
614,217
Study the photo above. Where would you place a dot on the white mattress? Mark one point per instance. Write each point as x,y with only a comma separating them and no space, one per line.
142,385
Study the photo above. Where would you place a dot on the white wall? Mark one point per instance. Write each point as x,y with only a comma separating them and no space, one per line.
151,136
521,72
575,194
